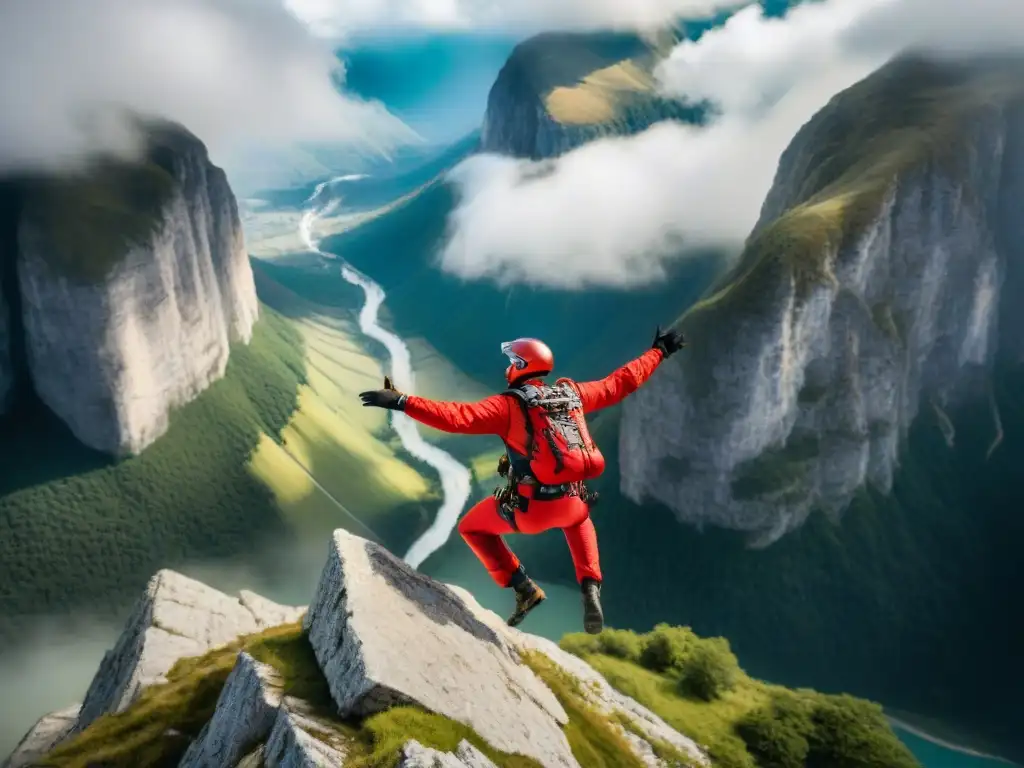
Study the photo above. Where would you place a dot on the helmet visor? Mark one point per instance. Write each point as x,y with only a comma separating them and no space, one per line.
516,360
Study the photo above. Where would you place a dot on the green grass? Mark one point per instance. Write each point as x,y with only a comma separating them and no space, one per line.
78,530
746,723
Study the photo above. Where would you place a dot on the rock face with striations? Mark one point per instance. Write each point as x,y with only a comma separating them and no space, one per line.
367,608
558,91
378,634
883,277
176,617
133,282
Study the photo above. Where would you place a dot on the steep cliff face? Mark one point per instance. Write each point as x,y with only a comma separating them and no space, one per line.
882,278
133,281
558,91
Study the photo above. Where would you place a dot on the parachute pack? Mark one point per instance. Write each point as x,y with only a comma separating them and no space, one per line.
559,448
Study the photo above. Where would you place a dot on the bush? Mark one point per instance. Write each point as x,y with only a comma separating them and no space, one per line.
776,734
853,733
621,643
666,647
709,670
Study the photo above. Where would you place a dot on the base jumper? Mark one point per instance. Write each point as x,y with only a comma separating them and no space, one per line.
549,455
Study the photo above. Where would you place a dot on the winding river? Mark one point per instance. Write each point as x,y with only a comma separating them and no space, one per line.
455,477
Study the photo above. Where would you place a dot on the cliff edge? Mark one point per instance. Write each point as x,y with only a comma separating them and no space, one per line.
132,280
879,281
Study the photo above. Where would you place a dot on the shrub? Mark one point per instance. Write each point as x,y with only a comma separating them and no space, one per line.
621,643
666,647
709,670
776,734
853,733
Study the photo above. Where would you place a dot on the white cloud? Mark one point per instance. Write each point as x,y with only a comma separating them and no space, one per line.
229,70
613,212
338,17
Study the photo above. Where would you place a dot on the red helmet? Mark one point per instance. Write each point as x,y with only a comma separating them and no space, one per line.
529,357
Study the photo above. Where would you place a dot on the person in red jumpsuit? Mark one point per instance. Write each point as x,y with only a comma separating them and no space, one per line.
484,527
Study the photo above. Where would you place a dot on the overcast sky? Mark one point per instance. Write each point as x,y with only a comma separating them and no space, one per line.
612,212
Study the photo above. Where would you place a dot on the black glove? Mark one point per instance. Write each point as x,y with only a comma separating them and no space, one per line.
668,342
389,397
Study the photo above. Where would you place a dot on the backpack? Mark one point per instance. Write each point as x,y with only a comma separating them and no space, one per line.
559,448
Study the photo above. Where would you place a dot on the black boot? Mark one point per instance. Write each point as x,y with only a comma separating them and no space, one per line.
528,596
593,616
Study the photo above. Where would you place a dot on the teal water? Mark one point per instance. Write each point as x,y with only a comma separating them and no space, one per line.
936,756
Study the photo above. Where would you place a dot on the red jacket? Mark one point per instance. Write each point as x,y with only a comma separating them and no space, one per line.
500,415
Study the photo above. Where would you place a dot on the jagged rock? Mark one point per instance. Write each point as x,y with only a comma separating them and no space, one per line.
43,737
385,634
175,618
268,613
415,755
807,368
245,713
114,344
301,739
599,694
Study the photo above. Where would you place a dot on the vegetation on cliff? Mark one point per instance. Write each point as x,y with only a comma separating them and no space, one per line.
697,686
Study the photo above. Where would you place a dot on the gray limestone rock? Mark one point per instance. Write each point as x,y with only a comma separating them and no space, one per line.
301,739
268,613
47,733
415,755
112,355
600,695
245,713
385,634
176,617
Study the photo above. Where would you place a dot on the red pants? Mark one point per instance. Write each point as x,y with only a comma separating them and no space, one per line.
483,529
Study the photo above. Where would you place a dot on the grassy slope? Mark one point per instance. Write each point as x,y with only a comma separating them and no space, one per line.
157,729
911,599
79,531
656,668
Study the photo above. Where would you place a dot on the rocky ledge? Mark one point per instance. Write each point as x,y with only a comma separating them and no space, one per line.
379,635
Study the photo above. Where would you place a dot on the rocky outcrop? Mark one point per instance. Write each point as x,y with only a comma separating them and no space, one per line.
415,755
133,283
176,617
600,696
50,731
558,91
379,634
377,628
876,284
246,710
302,739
